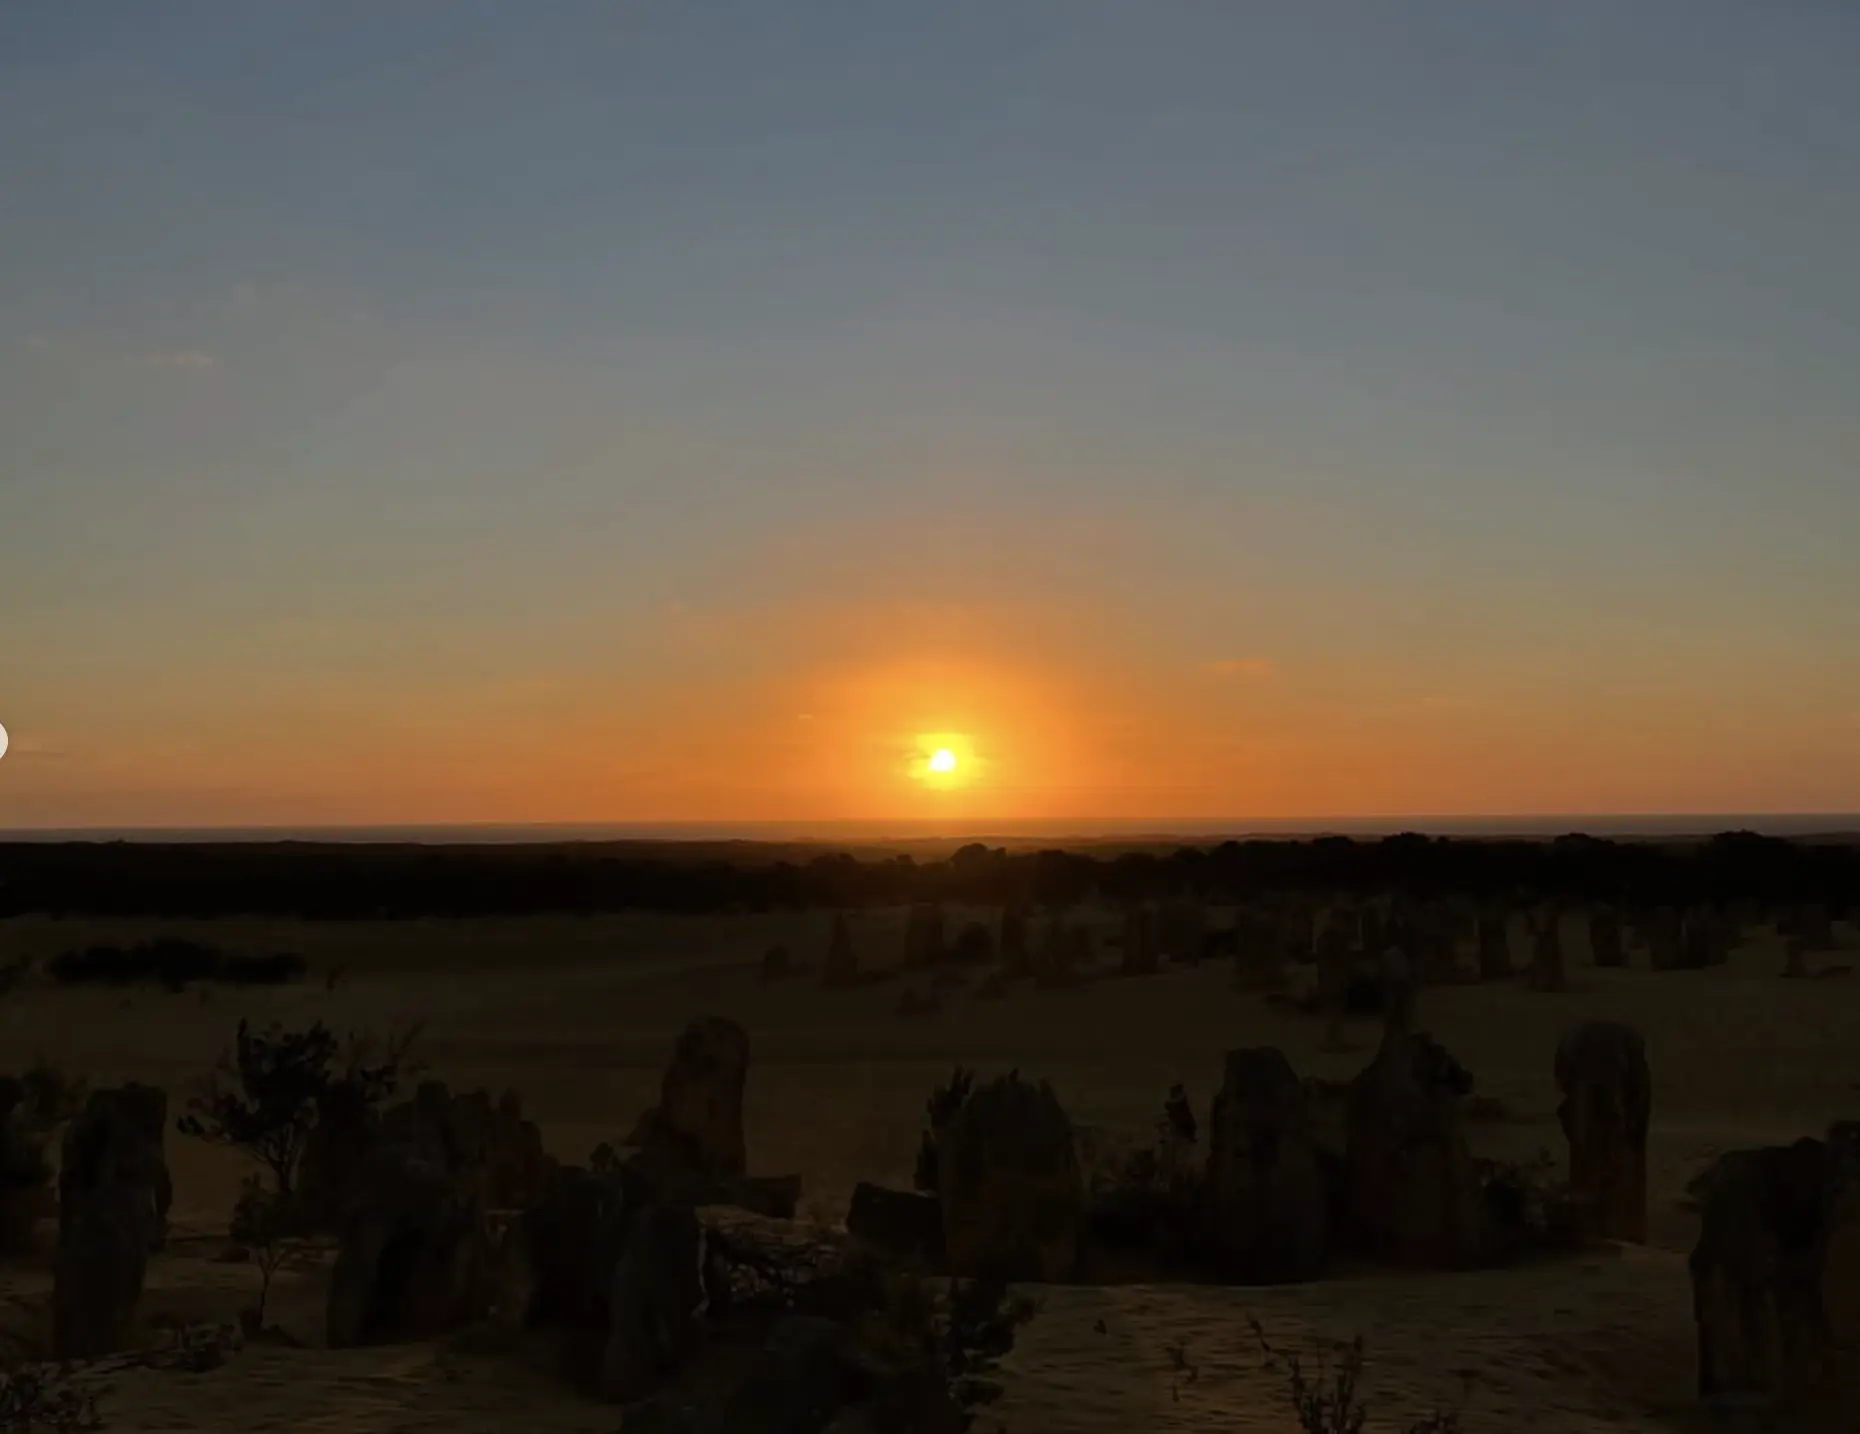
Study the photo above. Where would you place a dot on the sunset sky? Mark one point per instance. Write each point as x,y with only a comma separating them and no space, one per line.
434,412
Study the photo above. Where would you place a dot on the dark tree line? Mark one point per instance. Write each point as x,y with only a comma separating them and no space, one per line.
349,882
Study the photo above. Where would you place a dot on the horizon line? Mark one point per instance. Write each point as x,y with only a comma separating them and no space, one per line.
1779,824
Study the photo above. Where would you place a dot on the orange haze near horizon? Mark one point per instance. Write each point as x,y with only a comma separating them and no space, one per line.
797,683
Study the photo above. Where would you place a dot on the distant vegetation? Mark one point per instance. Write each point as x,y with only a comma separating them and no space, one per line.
173,962
357,882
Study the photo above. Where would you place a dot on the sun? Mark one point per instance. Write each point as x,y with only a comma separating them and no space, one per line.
944,761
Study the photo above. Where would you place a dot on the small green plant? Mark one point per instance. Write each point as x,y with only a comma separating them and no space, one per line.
1181,1369
270,1224
1329,1402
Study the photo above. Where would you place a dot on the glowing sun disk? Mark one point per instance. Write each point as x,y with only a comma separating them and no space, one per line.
944,761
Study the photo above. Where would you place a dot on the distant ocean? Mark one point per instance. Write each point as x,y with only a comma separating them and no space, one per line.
1198,830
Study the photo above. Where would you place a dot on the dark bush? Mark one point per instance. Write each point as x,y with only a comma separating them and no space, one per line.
44,1396
979,1323
1528,1207
944,1103
975,945
173,962
48,1097
958,1336
1151,1201
268,1092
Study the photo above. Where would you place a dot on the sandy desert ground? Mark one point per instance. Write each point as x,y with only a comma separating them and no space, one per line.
579,1016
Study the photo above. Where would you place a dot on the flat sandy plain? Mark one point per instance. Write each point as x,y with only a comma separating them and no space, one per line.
579,1015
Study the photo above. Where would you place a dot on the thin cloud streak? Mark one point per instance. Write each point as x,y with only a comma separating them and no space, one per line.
88,350
177,359
1243,667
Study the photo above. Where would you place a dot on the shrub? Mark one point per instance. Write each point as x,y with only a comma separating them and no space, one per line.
270,1224
1182,1370
1150,1200
1331,1402
267,1093
961,1336
1529,1206
23,1163
944,1103
25,1171
175,963
43,1397
25,1188
49,1097
980,1321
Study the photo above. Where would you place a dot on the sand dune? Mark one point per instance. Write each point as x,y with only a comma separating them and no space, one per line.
579,1016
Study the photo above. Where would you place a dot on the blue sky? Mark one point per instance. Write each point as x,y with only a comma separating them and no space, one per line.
1442,354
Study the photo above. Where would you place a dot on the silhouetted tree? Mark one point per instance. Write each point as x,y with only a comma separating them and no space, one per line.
266,1094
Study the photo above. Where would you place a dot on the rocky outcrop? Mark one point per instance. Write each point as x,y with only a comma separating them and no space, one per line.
420,1253
1665,944
1547,970
841,968
1605,945
1267,1205
113,1196
903,1224
1707,939
1397,979
619,1273
1181,932
502,1150
695,1133
925,941
118,1139
1139,956
1259,951
974,946
1013,944
1336,959
1414,1191
575,1234
1494,945
25,1173
812,1376
1607,1090
690,1148
1010,1185
1776,1277
653,1301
